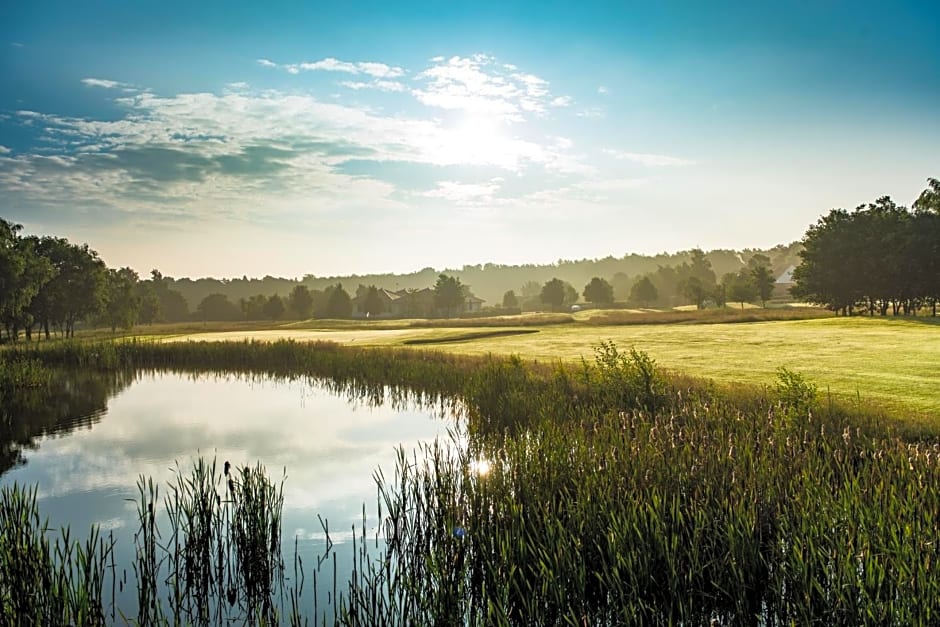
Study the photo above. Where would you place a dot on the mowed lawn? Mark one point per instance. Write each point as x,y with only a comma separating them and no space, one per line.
886,363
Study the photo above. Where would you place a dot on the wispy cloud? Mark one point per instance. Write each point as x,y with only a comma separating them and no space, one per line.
648,159
329,64
17,44
103,82
465,194
376,84
602,90
4,150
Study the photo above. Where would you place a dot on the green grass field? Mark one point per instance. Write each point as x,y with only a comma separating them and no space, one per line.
882,363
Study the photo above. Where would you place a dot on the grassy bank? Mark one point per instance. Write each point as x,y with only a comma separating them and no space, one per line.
609,491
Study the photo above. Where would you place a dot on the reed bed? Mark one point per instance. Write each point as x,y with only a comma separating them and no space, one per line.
605,493
643,504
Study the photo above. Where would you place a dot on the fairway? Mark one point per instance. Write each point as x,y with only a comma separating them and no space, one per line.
894,364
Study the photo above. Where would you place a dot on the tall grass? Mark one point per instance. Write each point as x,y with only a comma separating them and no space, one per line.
616,510
48,582
598,494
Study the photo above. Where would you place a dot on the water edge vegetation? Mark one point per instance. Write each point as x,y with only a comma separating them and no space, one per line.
604,492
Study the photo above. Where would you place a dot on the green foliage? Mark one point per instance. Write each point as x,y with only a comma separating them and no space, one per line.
509,300
553,294
879,257
794,392
599,291
338,303
217,307
300,302
121,303
372,303
643,292
274,308
763,281
449,295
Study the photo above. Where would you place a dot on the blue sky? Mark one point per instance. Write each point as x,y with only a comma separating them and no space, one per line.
216,138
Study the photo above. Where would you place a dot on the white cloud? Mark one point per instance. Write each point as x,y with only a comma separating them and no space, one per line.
465,194
16,44
647,159
591,113
481,85
602,90
238,85
4,150
561,101
102,82
329,64
376,84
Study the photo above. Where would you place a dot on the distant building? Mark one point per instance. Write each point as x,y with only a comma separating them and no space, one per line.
783,284
410,304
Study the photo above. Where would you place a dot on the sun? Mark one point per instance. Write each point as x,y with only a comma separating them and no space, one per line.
477,138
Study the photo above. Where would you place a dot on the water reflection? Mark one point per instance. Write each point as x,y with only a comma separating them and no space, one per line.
77,400
328,445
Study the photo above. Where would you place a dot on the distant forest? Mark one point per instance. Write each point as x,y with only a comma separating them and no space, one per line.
491,281
881,257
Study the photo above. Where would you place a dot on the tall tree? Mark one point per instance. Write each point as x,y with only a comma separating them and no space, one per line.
274,307
217,307
300,301
23,273
643,292
449,294
741,288
929,199
695,291
338,302
553,293
76,290
763,280
599,291
372,302
121,304
509,300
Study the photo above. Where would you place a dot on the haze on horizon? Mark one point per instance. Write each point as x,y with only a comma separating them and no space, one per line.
215,139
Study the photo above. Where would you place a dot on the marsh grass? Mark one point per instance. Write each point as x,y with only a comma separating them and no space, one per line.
612,493
48,581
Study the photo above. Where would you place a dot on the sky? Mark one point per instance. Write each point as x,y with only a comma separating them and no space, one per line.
226,139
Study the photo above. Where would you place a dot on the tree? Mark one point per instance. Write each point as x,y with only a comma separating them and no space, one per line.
762,280
149,309
121,304
643,292
217,307
253,307
23,273
553,293
300,301
693,289
274,307
76,290
571,294
599,291
173,306
338,302
740,287
622,286
372,303
929,200
449,294
510,301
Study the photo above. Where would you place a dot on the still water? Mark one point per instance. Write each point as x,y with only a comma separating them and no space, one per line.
86,448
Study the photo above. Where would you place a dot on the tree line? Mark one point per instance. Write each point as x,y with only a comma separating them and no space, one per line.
693,282
878,258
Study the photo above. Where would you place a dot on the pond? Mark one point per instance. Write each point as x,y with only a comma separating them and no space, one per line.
86,447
